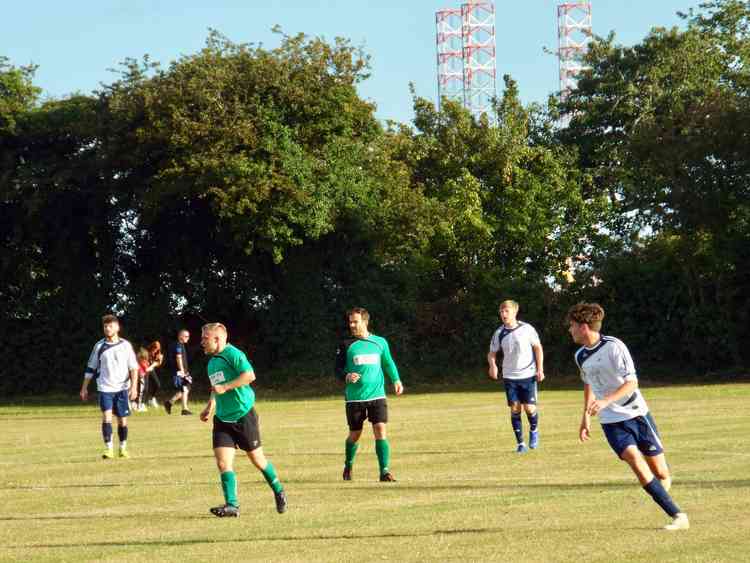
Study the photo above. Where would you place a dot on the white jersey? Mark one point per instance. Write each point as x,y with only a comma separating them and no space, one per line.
519,361
112,362
606,367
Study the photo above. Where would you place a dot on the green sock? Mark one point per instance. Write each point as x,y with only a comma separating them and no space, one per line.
383,451
229,486
351,451
273,480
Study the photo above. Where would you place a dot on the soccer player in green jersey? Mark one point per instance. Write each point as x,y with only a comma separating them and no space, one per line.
361,362
235,419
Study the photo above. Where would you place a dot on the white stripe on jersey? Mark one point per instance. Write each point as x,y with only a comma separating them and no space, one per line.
606,367
516,344
113,365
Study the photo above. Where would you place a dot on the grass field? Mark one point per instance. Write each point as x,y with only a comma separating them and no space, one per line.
462,494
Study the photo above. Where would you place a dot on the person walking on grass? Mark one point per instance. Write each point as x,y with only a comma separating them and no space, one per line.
113,363
181,378
610,391
361,362
235,421
523,369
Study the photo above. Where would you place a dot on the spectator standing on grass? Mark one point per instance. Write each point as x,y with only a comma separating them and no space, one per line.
153,383
362,360
522,369
235,421
177,358
610,391
143,366
113,363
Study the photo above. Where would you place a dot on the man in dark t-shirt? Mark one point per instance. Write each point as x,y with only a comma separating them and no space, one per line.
177,363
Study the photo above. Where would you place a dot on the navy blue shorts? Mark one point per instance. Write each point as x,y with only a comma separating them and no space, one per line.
640,432
521,390
179,382
118,402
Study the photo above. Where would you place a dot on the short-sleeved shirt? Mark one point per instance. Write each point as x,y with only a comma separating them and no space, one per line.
519,361
225,367
111,362
606,367
178,348
371,358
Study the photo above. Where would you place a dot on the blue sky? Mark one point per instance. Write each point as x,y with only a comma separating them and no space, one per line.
75,42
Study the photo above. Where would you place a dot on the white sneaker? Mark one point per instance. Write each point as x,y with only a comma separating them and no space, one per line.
142,408
680,522
153,402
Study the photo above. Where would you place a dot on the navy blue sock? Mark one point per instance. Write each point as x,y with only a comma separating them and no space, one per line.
515,420
661,497
107,432
533,420
122,433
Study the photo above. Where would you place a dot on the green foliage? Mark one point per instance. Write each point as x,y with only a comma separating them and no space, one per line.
254,186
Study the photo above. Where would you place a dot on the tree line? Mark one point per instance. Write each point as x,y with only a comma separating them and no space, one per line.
255,187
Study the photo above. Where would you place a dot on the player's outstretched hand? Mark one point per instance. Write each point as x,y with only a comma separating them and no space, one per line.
399,387
205,413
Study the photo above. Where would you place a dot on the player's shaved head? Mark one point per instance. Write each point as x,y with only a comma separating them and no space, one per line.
216,328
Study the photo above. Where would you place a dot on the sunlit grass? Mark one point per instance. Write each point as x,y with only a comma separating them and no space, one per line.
462,493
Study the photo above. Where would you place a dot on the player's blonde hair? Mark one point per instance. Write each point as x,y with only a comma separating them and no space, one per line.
509,303
591,314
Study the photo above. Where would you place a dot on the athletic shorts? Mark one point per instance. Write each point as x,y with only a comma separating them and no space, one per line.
180,382
639,431
243,434
118,402
521,390
357,412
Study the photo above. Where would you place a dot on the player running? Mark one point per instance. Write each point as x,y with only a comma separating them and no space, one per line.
361,362
611,391
235,420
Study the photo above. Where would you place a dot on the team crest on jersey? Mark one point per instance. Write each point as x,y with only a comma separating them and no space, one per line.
366,359
217,377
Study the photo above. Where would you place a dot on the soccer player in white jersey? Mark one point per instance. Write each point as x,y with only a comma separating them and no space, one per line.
611,391
114,364
523,368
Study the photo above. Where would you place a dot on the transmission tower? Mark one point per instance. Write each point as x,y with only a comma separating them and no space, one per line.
574,34
466,56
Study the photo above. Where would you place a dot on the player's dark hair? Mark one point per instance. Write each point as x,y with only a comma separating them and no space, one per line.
591,314
361,311
106,319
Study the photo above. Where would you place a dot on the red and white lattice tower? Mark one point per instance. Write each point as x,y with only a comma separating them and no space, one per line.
466,56
574,34
450,62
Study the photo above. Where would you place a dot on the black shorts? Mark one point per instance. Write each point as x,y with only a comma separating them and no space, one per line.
243,434
357,412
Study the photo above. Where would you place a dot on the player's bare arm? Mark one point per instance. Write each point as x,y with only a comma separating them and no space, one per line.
584,430
398,387
624,390
492,365
206,412
539,357
133,393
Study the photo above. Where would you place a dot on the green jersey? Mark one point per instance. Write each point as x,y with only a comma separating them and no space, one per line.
225,367
371,358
